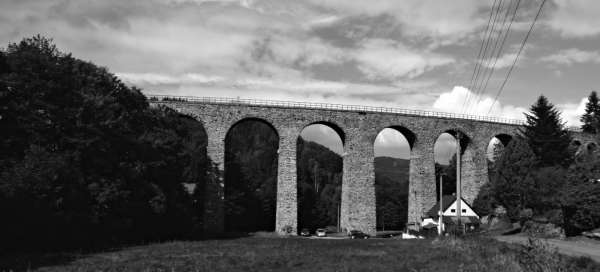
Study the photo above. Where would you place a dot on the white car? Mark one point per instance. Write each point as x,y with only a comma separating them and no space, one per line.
321,233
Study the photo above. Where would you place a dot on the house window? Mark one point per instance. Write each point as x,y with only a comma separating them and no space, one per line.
453,210
464,210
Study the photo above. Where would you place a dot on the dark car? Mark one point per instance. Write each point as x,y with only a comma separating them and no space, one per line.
305,232
357,234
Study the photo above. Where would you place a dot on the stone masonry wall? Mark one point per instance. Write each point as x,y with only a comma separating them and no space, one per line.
360,130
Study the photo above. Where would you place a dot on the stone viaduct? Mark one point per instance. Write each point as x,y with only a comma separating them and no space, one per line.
358,126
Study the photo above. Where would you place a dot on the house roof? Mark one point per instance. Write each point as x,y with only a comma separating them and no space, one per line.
447,201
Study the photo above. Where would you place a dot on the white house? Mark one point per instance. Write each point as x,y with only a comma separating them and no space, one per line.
468,216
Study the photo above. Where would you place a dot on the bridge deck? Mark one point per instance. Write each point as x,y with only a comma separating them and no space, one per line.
328,106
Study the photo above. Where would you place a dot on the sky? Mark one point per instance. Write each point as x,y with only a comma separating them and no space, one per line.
416,54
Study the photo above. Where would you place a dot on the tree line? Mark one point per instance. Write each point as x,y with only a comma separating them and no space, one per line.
542,173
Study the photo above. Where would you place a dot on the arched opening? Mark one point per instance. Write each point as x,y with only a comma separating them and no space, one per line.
251,176
196,169
444,151
319,169
494,150
392,148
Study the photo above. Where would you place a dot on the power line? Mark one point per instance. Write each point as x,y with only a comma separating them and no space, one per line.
486,61
518,54
484,45
485,48
499,51
480,50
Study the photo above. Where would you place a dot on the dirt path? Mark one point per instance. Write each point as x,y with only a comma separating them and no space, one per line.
580,247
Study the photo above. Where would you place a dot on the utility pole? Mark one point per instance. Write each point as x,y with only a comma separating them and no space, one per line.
339,213
315,170
458,181
441,212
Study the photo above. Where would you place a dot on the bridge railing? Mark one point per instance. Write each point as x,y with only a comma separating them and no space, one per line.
329,106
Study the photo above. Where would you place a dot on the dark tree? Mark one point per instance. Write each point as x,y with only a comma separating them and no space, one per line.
251,177
591,117
580,198
546,134
84,160
513,184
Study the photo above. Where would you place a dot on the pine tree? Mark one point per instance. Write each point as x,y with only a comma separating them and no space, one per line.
546,134
591,117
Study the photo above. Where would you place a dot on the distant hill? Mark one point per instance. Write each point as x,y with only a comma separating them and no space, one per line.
391,189
319,185
393,168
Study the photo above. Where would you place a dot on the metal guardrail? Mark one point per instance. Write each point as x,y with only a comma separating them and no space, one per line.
340,107
328,106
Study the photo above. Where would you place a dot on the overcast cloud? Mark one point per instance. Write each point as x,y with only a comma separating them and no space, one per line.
411,54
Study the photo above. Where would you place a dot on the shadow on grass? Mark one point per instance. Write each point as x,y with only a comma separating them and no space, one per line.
23,260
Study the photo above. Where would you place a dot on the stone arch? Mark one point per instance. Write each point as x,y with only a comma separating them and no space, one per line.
340,132
250,200
319,174
465,139
255,119
410,136
502,138
392,179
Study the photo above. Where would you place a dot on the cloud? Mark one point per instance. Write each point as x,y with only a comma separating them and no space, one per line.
390,60
571,112
575,18
440,20
454,100
572,56
297,89
158,79
504,61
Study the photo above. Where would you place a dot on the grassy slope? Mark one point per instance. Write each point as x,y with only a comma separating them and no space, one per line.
296,254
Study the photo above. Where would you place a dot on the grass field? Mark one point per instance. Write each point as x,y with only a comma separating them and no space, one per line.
298,254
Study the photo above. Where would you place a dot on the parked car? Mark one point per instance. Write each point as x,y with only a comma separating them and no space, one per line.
357,234
305,232
321,232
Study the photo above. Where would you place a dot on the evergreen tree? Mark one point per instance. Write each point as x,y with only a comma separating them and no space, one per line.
580,198
591,117
546,134
513,184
